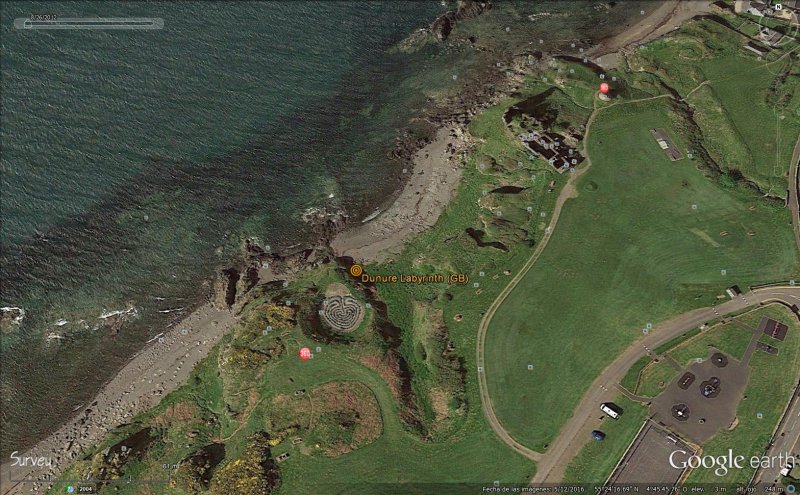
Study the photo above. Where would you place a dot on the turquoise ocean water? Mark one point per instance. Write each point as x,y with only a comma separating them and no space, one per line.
134,162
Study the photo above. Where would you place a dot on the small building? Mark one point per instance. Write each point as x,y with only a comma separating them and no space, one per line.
759,9
666,144
733,291
757,49
770,36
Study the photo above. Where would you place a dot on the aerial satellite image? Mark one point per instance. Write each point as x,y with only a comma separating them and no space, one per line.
393,247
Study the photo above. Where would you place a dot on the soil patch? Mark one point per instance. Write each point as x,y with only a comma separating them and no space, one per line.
338,417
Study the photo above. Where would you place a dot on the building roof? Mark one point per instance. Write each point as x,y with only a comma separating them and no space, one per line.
756,48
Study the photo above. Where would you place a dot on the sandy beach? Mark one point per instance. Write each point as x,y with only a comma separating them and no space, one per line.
165,364
434,179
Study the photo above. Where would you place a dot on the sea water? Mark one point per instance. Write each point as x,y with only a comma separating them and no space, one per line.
134,163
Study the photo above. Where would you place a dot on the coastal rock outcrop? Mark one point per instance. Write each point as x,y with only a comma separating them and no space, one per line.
443,25
224,292
10,317
467,9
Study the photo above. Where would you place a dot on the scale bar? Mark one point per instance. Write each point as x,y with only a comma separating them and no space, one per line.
146,23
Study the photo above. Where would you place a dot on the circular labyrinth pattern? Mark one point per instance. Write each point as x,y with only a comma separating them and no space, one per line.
342,313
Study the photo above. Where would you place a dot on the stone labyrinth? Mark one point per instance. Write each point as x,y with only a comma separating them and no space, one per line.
341,312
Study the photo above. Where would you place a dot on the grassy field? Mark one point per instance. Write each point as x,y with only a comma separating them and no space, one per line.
655,378
643,245
729,338
772,380
750,136
596,460
631,379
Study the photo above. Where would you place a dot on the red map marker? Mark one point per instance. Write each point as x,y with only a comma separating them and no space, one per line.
604,88
305,353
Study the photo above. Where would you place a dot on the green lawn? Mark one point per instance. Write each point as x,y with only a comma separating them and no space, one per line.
655,378
596,460
729,338
631,252
748,112
398,456
631,379
772,380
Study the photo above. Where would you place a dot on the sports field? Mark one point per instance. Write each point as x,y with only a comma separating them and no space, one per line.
645,239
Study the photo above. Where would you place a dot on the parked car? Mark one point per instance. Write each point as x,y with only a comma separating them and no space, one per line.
598,435
787,468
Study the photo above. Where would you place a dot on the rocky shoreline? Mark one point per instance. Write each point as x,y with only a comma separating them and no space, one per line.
161,367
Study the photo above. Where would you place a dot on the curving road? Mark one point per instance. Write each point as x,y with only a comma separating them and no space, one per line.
576,432
567,192
794,192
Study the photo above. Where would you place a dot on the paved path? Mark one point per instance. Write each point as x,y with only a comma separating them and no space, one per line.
636,398
786,441
567,192
794,192
576,432
671,360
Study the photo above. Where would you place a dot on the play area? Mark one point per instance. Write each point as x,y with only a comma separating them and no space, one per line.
704,399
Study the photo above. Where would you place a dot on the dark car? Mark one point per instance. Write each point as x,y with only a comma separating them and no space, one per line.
598,435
